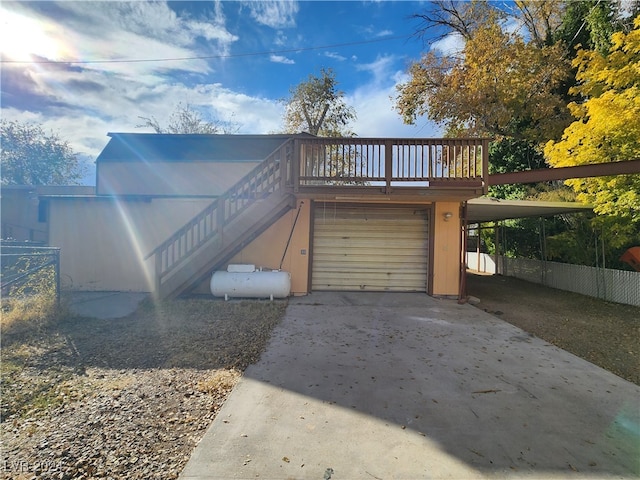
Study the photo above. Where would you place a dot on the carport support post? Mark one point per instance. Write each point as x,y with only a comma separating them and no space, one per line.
478,247
543,252
485,165
496,227
464,232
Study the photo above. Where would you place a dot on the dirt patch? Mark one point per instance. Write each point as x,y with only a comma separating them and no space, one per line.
125,398
604,333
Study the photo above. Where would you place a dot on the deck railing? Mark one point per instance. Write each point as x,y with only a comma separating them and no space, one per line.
390,162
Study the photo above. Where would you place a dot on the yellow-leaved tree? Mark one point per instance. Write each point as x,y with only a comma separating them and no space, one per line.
607,128
500,86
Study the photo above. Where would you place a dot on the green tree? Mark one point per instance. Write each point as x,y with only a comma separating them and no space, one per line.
187,120
590,24
30,156
606,127
318,107
513,155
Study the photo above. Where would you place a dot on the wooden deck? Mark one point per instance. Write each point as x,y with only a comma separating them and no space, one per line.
320,167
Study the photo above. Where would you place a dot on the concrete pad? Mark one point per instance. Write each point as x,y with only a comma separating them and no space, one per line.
105,305
380,386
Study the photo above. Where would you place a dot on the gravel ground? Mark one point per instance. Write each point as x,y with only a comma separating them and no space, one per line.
604,333
126,398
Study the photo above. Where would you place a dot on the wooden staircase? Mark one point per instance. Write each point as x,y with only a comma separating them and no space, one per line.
225,227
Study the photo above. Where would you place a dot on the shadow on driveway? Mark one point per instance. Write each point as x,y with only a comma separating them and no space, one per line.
360,385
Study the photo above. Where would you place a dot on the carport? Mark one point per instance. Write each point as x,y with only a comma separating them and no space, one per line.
487,209
484,210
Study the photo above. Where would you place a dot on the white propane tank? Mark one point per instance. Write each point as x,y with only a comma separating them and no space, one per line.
255,284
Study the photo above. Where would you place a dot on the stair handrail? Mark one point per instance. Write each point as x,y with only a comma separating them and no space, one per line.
264,178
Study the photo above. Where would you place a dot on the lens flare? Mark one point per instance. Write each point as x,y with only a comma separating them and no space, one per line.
22,38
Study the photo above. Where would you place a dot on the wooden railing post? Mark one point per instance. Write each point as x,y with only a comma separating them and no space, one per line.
295,165
220,217
283,167
388,164
485,165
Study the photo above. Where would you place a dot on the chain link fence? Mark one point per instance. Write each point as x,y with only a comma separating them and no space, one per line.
28,271
618,286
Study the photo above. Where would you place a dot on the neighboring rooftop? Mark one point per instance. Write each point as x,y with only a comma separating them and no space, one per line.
157,147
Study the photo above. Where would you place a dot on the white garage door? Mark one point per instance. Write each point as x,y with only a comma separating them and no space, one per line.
370,248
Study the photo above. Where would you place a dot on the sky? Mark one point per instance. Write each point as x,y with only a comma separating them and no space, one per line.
82,69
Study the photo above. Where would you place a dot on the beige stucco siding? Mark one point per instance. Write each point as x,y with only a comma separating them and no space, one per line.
446,249
104,241
267,250
170,178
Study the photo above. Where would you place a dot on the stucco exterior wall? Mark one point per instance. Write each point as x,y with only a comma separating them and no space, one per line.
446,249
104,241
169,178
268,249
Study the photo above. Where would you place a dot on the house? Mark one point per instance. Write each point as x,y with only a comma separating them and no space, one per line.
366,214
24,214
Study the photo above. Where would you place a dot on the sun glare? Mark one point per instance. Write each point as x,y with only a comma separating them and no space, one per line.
22,37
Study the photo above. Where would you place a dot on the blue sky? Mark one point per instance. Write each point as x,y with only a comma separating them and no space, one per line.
232,60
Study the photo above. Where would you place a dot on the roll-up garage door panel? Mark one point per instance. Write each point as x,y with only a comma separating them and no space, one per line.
370,249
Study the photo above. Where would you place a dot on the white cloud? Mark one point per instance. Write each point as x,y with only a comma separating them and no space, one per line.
380,69
87,134
153,20
374,104
274,13
281,39
451,44
281,59
334,56
84,101
384,33
254,114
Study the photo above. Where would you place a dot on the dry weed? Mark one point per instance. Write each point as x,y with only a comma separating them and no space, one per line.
220,381
20,315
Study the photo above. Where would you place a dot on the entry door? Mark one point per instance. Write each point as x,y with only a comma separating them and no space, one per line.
370,248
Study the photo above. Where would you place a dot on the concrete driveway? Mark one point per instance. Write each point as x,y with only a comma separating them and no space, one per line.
381,386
